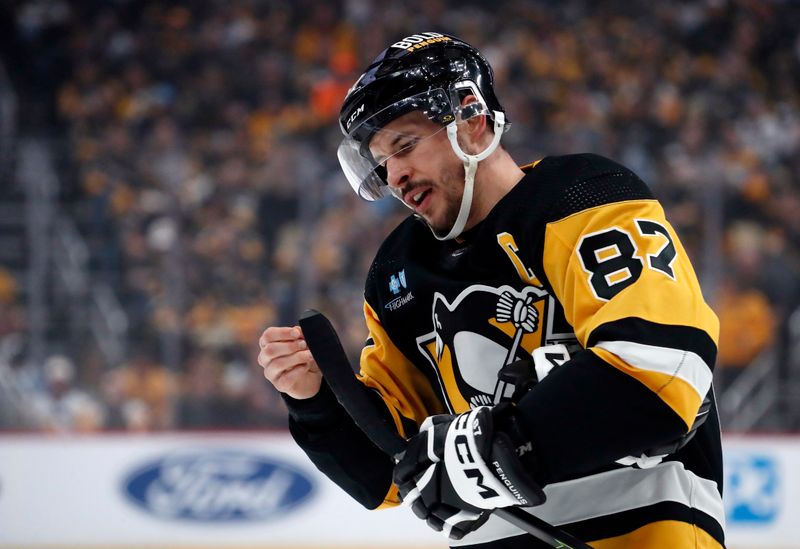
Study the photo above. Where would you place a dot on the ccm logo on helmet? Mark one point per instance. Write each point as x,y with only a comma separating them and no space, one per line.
355,114
416,41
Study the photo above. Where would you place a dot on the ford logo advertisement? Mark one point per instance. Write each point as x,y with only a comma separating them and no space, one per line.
218,486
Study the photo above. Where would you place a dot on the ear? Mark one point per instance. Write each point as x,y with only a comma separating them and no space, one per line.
474,133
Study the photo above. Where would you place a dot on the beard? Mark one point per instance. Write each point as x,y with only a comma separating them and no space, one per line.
451,190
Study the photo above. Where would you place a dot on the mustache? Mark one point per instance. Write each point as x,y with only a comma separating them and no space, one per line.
412,186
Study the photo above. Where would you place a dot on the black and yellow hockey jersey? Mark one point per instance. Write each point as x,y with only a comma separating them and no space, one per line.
578,253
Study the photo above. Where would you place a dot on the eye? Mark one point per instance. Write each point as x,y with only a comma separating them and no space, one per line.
406,146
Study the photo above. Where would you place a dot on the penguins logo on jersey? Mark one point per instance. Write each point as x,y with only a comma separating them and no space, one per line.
482,330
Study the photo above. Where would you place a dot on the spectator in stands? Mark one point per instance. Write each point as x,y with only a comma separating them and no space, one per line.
147,384
62,407
11,312
747,326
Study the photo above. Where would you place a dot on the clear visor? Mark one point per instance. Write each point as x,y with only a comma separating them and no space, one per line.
367,174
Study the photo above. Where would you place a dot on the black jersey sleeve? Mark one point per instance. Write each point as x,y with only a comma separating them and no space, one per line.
339,448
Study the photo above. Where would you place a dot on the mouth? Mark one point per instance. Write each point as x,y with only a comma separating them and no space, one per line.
417,198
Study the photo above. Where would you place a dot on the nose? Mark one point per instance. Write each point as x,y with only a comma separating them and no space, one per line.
398,172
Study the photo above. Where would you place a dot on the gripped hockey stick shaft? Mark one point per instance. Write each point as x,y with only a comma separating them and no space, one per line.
332,360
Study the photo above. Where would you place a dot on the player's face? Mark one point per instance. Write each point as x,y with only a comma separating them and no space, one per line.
421,168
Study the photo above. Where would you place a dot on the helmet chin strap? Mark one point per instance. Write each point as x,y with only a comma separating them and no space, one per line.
470,167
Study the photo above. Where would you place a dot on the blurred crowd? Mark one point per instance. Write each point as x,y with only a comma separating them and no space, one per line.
201,138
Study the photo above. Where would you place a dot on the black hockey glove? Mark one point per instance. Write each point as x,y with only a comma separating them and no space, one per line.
460,466
524,374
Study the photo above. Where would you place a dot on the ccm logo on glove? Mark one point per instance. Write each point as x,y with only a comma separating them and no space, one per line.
494,488
461,442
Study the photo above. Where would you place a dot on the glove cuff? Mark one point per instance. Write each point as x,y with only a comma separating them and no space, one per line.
505,420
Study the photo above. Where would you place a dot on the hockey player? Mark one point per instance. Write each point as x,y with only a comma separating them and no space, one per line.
536,332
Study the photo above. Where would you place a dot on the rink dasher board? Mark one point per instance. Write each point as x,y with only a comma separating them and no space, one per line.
258,490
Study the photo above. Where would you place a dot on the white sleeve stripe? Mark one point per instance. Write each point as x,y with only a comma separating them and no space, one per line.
684,365
609,493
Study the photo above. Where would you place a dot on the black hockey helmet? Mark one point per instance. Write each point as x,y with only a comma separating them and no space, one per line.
428,72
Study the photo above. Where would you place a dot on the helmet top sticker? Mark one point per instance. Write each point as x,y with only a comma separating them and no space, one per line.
419,41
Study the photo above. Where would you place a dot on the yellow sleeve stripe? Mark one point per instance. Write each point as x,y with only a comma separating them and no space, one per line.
403,387
663,533
369,382
676,392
